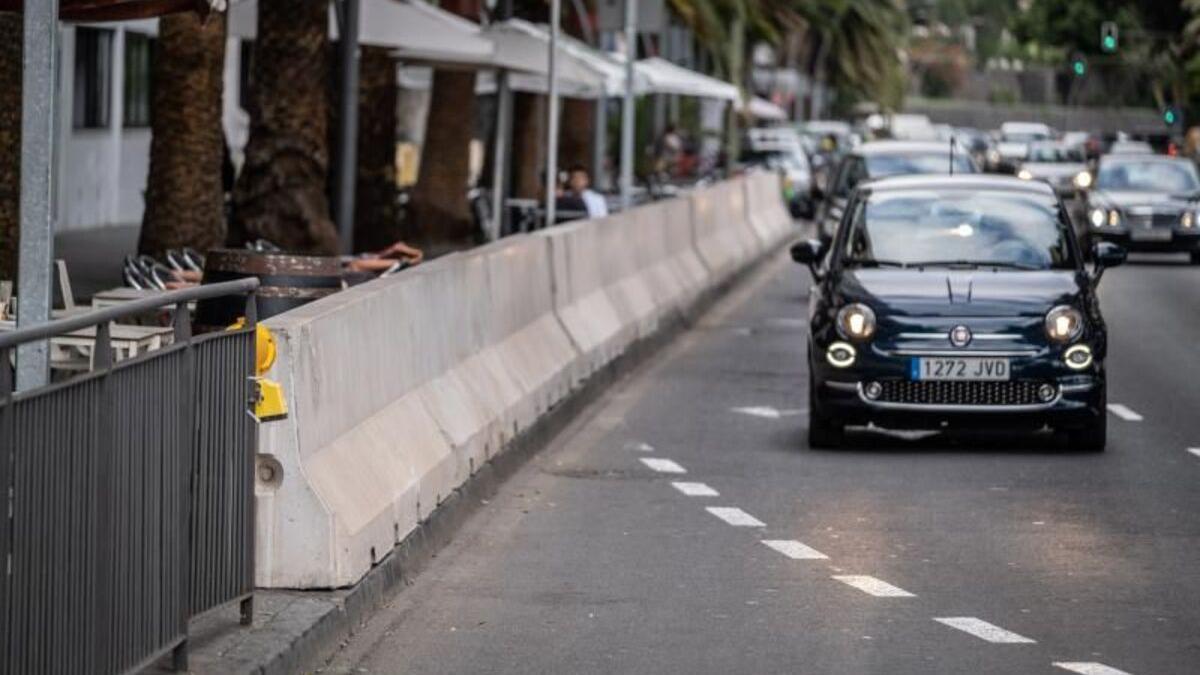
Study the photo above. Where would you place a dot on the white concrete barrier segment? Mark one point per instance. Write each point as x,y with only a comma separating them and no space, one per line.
399,389
766,212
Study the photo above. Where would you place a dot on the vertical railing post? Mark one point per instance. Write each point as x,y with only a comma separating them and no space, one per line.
8,447
188,424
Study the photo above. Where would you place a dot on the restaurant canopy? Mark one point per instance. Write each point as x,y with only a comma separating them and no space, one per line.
663,77
416,30
119,10
524,48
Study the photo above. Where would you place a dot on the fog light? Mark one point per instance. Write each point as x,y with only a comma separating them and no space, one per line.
840,355
872,390
1078,357
1047,392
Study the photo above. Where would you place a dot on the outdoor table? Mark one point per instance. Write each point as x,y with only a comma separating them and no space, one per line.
74,350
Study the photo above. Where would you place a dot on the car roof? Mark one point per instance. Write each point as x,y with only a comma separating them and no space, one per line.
902,147
1024,127
973,181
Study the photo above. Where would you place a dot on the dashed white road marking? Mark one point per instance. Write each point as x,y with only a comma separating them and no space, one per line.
735,516
1088,668
766,412
873,586
795,550
662,465
1194,451
1124,412
984,630
639,446
695,489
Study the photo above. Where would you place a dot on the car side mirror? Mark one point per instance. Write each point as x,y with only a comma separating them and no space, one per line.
809,252
1106,254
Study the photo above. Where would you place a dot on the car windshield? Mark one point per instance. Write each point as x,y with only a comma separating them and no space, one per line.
884,165
958,228
1148,176
1049,153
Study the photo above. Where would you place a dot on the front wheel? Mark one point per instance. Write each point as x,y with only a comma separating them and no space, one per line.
823,432
1093,437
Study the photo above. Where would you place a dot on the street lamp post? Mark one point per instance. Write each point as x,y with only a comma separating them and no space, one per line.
627,107
347,133
37,153
552,124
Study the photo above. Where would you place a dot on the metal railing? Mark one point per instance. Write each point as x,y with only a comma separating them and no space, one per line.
130,494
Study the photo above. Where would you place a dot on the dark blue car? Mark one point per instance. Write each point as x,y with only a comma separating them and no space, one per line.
948,301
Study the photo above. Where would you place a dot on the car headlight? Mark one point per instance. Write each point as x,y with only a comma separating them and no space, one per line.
1063,323
1082,180
840,355
856,321
1114,217
1097,217
1188,219
1024,174
1078,357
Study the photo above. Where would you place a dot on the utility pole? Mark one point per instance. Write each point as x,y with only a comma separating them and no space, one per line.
347,147
627,107
36,249
552,124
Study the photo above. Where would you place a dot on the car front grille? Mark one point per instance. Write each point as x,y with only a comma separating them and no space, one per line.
1153,220
933,393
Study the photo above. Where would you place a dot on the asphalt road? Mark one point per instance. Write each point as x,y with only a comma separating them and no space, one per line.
916,555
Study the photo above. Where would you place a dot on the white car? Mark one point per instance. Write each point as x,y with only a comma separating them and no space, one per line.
1013,144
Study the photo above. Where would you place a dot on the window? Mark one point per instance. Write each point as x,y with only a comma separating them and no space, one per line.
139,59
93,78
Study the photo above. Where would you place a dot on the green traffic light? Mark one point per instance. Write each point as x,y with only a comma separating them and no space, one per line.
1079,67
1169,116
1110,43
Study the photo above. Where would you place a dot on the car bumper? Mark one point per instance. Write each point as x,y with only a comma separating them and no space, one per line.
1179,241
840,395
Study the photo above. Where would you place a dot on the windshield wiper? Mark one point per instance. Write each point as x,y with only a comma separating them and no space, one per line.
973,263
872,262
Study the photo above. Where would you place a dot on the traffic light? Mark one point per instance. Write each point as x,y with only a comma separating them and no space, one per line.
1170,115
1108,37
1079,65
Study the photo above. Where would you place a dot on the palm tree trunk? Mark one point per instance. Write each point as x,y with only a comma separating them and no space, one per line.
376,218
528,145
11,38
184,192
439,209
281,192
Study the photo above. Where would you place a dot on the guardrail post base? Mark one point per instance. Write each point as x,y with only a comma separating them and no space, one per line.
247,609
179,657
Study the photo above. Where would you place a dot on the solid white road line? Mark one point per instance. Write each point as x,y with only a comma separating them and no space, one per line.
766,412
873,586
795,550
1194,451
662,465
735,516
1089,668
695,489
984,630
1124,412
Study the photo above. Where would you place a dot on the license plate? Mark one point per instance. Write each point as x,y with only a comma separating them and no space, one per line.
963,368
1155,234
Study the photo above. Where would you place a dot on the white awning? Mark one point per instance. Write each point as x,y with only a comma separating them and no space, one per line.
418,31
664,77
524,48
762,109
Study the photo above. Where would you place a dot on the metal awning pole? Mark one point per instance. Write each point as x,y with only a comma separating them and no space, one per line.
552,124
600,144
627,108
37,186
500,160
347,135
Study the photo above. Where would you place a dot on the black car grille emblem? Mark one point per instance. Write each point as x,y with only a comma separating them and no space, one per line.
960,336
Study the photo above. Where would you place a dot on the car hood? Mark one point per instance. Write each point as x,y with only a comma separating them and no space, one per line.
1012,150
1159,201
940,292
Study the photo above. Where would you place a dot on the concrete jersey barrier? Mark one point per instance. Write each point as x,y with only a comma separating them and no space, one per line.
401,388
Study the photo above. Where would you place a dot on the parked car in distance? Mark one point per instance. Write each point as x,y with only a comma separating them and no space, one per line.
779,149
878,159
1146,203
1012,144
956,301
1060,165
